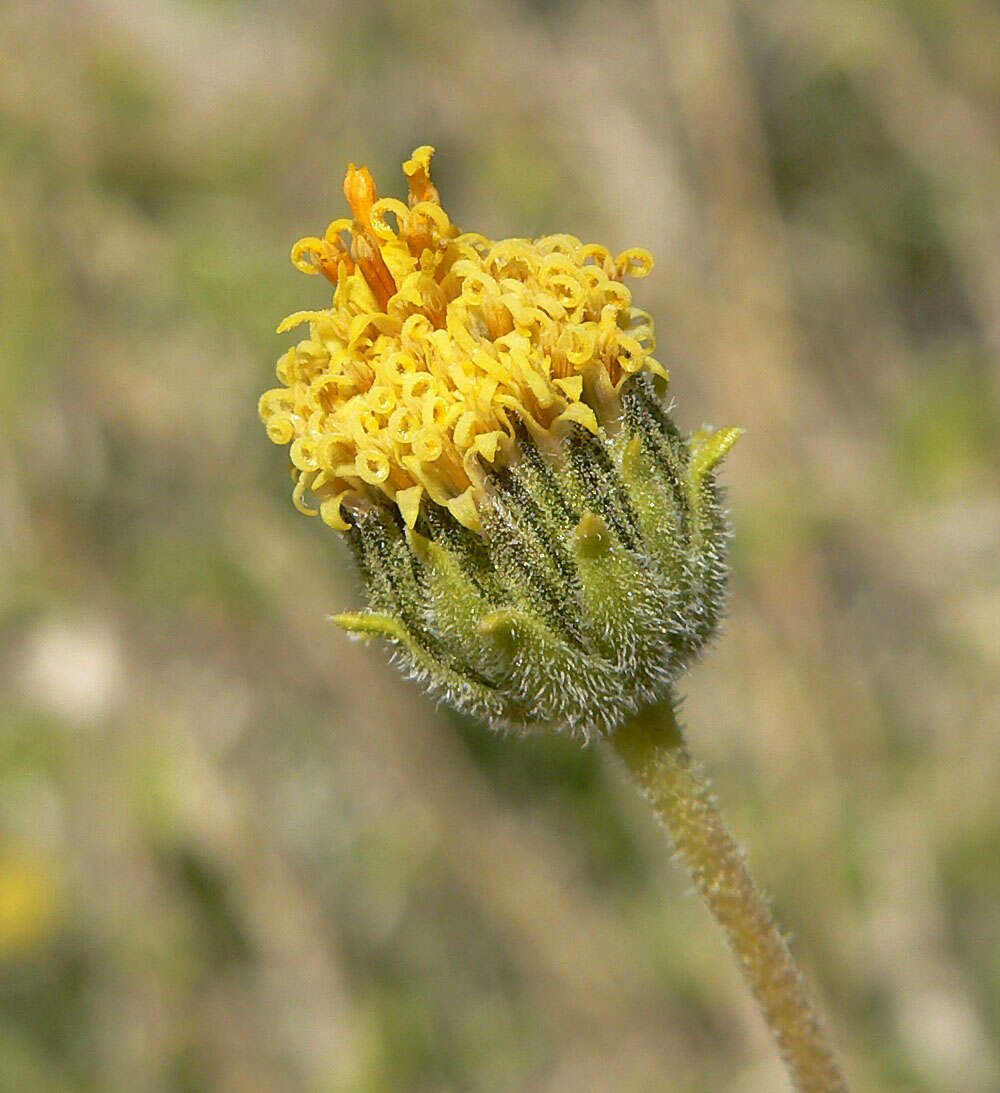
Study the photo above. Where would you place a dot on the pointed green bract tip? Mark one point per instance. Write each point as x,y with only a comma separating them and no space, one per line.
592,536
371,626
498,624
422,546
709,449
632,456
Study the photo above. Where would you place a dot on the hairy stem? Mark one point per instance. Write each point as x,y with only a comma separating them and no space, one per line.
653,748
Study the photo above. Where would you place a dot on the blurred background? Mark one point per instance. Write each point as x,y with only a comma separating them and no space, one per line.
237,853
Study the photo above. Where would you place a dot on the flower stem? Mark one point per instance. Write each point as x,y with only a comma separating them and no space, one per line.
653,748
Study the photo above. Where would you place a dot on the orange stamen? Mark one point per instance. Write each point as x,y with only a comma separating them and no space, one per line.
359,189
418,176
373,268
335,254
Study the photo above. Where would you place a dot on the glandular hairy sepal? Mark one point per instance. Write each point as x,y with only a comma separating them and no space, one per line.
598,576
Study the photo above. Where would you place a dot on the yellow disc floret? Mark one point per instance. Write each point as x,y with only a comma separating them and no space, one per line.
439,345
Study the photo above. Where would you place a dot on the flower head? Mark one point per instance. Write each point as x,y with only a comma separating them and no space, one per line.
441,345
485,421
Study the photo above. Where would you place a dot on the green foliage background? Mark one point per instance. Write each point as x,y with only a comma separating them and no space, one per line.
236,852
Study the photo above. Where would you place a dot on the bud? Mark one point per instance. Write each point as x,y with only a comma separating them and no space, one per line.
487,426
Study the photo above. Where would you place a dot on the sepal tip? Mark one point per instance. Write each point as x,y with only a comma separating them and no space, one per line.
709,449
364,625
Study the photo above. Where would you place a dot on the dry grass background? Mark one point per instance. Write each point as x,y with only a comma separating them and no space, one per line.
236,852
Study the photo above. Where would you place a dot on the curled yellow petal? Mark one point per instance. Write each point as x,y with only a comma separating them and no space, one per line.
439,345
